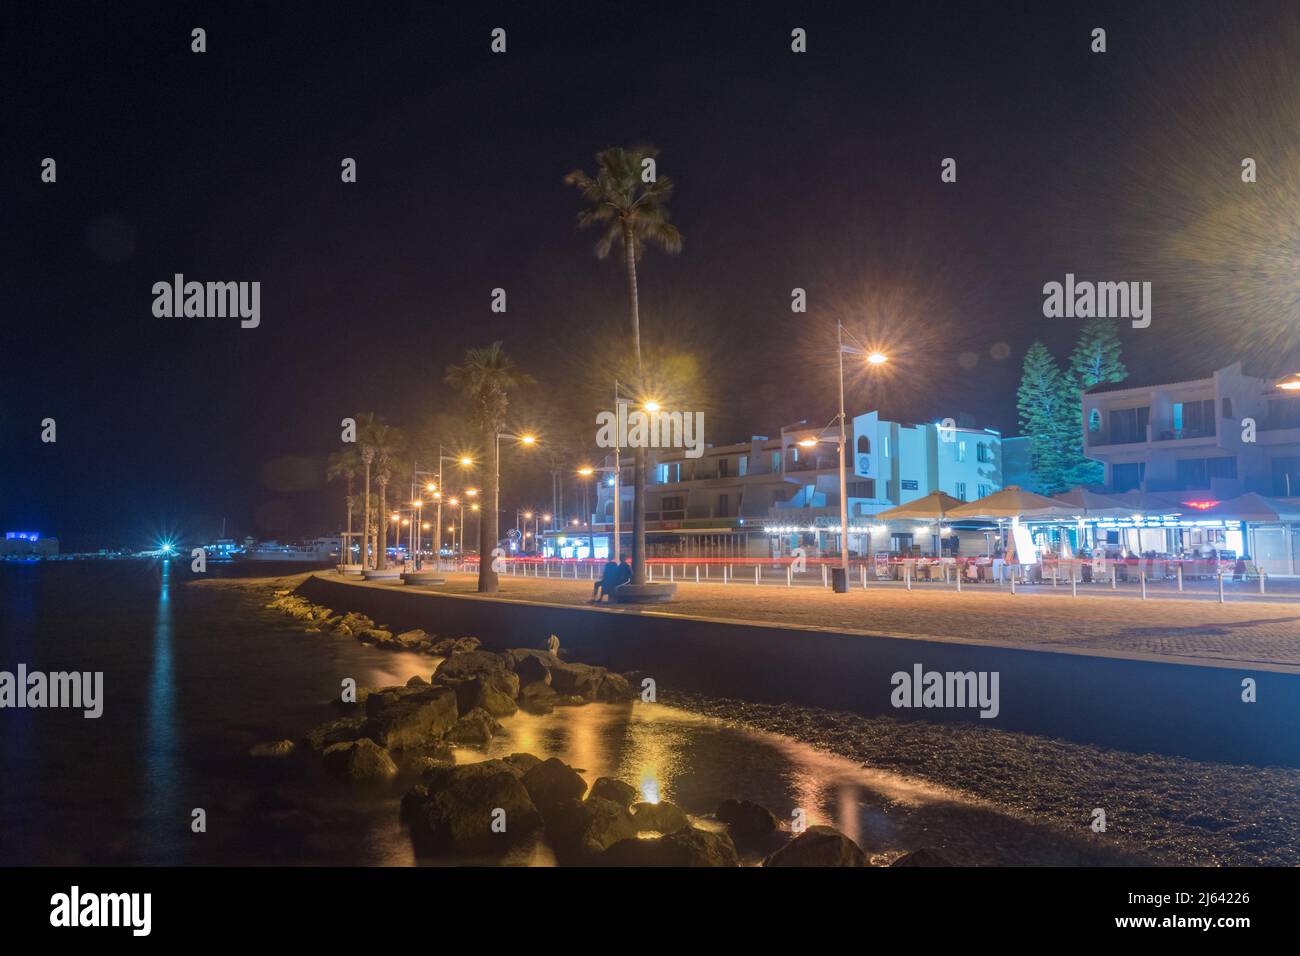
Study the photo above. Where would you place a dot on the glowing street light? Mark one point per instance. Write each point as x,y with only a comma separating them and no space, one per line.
651,406
877,358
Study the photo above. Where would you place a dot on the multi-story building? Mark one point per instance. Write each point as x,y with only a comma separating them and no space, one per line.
1212,438
768,495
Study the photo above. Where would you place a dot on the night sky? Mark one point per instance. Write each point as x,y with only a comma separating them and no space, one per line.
818,170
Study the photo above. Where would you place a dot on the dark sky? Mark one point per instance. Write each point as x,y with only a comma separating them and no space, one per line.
818,170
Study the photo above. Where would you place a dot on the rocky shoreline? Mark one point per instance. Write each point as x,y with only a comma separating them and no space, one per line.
494,807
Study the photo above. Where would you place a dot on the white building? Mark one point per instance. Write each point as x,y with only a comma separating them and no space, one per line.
768,495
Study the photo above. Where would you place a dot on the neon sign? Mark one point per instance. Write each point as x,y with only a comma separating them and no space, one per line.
1201,505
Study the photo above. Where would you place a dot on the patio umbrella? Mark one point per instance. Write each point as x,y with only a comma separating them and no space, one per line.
1090,504
932,507
1143,503
1013,502
1255,509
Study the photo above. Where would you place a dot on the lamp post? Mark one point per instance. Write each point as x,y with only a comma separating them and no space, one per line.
587,472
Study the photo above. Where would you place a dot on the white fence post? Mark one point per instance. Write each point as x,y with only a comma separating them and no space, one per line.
1220,585
1180,577
756,574
789,575
1143,576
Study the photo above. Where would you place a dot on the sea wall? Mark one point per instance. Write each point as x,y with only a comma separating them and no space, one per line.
1135,705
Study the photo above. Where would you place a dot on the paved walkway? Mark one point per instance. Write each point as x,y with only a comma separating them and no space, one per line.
1248,631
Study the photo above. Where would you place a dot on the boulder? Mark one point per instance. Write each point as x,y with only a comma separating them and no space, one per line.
359,761
616,791
343,730
922,857
580,830
747,821
577,680
551,783
375,635
455,811
464,664
418,682
273,748
531,666
689,847
488,693
475,728
412,638
413,718
662,817
818,846
523,762
537,698
450,645
614,688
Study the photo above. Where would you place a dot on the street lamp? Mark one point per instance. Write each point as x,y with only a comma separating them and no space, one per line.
434,488
873,357
526,439
586,471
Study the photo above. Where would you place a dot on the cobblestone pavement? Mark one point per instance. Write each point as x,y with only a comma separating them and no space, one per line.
1254,631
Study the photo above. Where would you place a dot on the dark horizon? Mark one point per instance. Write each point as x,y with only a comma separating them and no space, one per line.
818,171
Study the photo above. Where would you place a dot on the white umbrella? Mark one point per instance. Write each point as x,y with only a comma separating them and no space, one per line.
1013,502
932,507
1091,504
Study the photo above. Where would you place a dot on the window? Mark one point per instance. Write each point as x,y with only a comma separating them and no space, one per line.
1127,477
959,451
984,452
1191,473
724,506
776,461
864,488
1225,467
982,491
885,450
961,490
743,464
674,503
724,467
1129,425
864,445
1094,420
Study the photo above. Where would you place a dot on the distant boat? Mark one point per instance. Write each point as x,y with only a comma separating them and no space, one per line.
315,551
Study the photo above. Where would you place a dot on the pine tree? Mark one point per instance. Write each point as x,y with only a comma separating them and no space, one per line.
1043,403
1095,359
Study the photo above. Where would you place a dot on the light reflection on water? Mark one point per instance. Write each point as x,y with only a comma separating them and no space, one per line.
164,817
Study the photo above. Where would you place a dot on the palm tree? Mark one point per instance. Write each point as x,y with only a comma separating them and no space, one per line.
366,422
632,212
346,464
485,378
387,442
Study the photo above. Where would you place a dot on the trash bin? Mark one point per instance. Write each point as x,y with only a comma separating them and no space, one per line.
839,580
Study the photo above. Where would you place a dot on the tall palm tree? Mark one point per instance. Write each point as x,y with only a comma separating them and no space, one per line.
366,422
387,443
346,464
634,213
486,378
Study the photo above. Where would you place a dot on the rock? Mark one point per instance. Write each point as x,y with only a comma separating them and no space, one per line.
531,666
451,645
523,762
375,635
274,748
614,688
662,817
689,847
343,730
616,791
488,693
551,783
578,680
455,811
580,830
747,821
464,664
412,719
537,698
922,857
818,846
418,682
475,728
412,638
359,761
